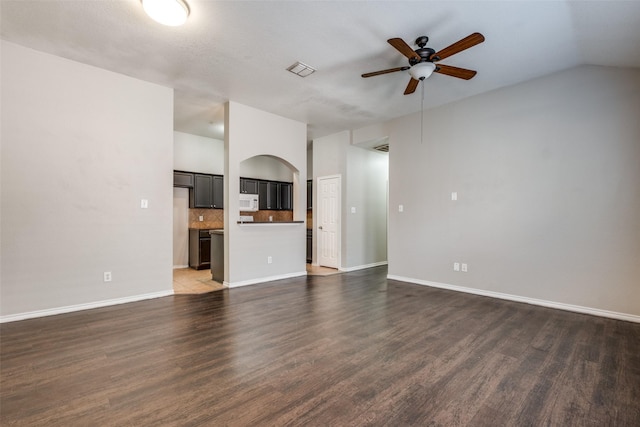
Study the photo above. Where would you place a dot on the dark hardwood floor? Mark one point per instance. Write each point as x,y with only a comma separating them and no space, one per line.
345,350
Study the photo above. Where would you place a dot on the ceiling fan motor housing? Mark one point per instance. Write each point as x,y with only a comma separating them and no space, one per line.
425,55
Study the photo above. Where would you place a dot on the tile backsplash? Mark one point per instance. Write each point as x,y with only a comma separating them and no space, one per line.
263,216
214,218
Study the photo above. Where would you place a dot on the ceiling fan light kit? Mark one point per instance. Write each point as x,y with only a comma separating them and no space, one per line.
422,70
167,12
422,60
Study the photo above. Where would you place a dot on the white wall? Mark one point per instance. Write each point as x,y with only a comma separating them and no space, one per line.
194,153
265,167
548,189
248,246
365,241
180,227
329,158
363,234
81,147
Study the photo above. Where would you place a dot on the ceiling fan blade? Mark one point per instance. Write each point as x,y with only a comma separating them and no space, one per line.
467,42
403,48
461,73
411,87
390,70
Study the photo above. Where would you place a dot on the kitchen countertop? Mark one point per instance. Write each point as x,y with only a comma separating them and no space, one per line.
270,222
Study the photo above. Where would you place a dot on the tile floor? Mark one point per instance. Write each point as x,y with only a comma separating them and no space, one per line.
190,281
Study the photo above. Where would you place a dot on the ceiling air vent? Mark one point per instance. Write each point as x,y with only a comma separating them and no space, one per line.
303,70
384,148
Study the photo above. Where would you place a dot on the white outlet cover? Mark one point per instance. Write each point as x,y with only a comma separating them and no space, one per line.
201,218
464,268
144,203
454,195
400,208
456,266
353,209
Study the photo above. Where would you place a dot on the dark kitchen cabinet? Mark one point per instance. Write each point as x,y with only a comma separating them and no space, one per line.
182,179
309,194
275,195
218,192
309,245
199,249
268,195
202,195
285,191
208,191
248,186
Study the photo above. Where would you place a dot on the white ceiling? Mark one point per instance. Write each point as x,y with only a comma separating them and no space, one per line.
239,50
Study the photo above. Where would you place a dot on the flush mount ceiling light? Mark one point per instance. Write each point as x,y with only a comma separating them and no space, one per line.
167,12
303,70
422,70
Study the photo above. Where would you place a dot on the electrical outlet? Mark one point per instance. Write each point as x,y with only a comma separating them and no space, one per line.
456,266
269,260
464,268
454,195
201,218
400,208
144,203
107,276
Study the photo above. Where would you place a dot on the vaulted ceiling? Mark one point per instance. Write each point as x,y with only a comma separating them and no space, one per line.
239,50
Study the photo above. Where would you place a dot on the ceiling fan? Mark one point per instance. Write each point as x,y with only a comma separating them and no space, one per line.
423,60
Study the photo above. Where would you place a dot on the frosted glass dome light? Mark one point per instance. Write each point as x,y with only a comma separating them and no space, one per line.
422,70
167,12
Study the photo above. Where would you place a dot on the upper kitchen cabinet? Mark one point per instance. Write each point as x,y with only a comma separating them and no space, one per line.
268,192
218,192
207,192
285,190
275,196
248,186
182,179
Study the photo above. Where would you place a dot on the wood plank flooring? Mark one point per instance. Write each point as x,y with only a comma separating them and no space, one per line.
353,349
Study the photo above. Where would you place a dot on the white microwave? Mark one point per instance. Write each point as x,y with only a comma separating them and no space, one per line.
248,202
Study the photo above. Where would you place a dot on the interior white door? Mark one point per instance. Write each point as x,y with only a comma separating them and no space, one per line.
329,221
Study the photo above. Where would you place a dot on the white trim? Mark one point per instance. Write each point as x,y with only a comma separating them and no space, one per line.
534,301
362,267
231,285
175,267
85,306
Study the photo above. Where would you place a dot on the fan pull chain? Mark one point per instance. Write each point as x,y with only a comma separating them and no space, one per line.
422,115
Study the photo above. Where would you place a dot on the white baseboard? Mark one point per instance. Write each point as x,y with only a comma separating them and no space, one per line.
362,267
264,279
180,266
79,307
527,300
